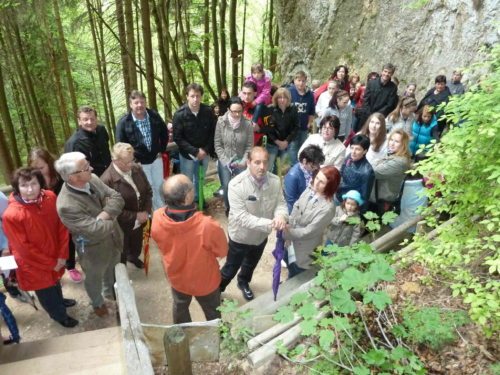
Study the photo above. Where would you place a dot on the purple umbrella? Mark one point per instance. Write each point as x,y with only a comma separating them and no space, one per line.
278,253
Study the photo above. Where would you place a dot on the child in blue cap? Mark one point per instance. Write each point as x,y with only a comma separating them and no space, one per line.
340,231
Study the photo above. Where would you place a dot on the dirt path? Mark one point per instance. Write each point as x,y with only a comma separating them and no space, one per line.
152,293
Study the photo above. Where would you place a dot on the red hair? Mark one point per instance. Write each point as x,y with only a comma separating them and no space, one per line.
332,180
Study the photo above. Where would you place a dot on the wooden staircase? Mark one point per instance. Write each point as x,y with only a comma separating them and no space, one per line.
92,352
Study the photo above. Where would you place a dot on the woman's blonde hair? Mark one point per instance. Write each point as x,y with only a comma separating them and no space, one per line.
282,92
405,143
120,149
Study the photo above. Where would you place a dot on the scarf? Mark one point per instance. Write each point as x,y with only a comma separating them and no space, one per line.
235,123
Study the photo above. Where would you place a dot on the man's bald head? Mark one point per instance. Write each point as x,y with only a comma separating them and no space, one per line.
178,191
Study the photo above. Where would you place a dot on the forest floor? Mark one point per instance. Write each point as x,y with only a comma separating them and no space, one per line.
471,353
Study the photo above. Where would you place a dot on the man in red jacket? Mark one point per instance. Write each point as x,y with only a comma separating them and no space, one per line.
190,243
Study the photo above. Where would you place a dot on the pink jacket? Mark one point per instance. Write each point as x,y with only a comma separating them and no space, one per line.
263,89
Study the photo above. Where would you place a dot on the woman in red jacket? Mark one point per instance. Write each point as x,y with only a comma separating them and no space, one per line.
39,242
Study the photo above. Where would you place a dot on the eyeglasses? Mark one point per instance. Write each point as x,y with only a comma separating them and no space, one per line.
236,112
86,169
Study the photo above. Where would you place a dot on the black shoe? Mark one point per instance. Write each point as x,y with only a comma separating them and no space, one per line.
69,322
137,262
68,302
246,291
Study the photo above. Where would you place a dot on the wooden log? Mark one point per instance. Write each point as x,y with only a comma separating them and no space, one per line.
268,350
134,345
177,351
394,237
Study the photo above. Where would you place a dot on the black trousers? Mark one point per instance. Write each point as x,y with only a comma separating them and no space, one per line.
208,303
71,261
132,245
244,256
51,299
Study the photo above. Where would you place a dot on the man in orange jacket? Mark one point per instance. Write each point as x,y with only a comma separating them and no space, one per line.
190,243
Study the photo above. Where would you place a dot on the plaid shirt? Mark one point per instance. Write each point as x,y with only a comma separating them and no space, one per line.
145,129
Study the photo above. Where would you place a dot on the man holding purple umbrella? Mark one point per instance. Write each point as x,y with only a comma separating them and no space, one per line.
257,206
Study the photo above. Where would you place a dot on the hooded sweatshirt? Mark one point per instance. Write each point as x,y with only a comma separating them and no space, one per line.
190,245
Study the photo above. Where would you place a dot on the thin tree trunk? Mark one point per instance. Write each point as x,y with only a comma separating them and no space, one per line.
215,43
242,76
104,66
20,114
59,91
13,158
48,133
273,34
99,69
129,30
120,20
223,44
206,40
138,37
65,58
233,39
148,53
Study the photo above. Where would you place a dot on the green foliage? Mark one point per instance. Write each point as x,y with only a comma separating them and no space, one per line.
431,326
348,282
374,222
465,174
234,332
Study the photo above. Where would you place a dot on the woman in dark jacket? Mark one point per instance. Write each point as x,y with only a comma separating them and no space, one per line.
280,125
128,178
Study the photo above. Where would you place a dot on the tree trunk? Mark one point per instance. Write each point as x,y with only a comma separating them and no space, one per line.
242,76
273,34
233,39
223,53
12,159
100,70
54,68
206,40
215,41
47,132
129,30
138,38
161,20
120,20
148,53
65,60
20,113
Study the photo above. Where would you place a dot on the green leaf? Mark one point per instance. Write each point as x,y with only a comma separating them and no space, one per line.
370,215
318,293
372,226
360,370
284,314
380,299
388,217
381,270
342,302
399,352
352,279
341,323
308,327
307,311
299,298
375,357
326,338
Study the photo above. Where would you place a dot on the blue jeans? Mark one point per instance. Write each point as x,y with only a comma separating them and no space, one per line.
224,177
154,174
274,152
190,169
296,144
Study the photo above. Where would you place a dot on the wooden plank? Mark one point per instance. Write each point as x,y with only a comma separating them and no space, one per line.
134,343
107,355
60,344
203,337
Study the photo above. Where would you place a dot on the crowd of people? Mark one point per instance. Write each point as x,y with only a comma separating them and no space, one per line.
93,203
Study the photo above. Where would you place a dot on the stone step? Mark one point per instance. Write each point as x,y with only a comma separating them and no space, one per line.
91,352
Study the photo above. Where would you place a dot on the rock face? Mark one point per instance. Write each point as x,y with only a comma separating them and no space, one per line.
317,35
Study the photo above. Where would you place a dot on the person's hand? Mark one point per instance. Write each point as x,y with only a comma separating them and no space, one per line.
142,217
256,127
278,223
343,217
103,216
201,154
282,145
5,252
60,264
254,103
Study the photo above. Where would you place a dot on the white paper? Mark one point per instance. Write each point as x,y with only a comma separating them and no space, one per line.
8,263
